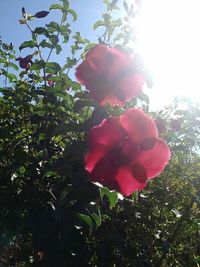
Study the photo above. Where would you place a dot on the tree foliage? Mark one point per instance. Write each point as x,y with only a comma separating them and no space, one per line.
51,214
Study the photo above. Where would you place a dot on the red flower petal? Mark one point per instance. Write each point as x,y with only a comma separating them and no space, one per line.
138,125
154,160
94,155
84,72
108,133
131,86
123,89
127,183
98,57
104,171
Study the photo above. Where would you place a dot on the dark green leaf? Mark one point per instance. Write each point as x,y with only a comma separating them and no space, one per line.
112,196
41,30
86,219
29,44
44,43
58,49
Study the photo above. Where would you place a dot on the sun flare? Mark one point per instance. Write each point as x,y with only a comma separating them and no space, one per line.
168,33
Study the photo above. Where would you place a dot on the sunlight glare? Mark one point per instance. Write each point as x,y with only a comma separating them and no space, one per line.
168,33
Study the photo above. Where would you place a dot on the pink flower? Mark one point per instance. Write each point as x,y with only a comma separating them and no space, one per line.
25,62
110,75
125,152
160,124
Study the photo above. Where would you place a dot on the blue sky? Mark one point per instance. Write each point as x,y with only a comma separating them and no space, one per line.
88,12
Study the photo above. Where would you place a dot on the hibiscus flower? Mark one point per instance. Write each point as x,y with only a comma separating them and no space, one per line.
110,75
125,151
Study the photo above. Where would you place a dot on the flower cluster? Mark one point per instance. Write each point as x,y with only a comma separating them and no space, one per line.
124,151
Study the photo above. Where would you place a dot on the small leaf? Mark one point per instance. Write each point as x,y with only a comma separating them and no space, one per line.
65,4
112,196
26,44
58,49
41,30
73,13
116,23
23,12
113,4
10,76
106,18
142,96
55,6
125,6
99,23
13,66
86,219
38,65
41,14
89,46
53,26
97,218
52,67
44,43
54,39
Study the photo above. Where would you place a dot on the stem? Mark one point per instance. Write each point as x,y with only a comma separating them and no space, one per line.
45,86
52,48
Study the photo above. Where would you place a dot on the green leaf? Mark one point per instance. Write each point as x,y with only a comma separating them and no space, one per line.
73,13
55,6
119,36
99,23
53,67
113,4
89,46
80,104
41,30
11,76
106,18
107,2
65,4
53,27
50,173
196,260
74,85
86,219
142,96
14,66
97,218
26,44
54,39
42,136
58,49
44,43
125,6
112,196
116,23
38,65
